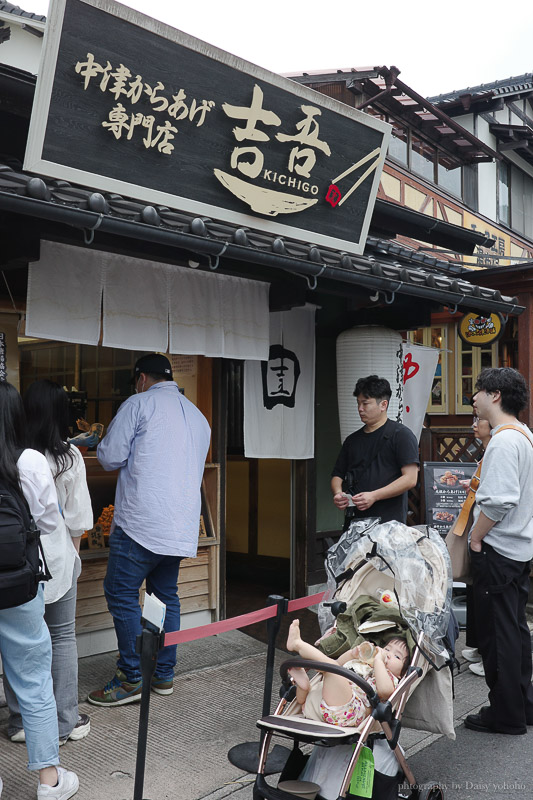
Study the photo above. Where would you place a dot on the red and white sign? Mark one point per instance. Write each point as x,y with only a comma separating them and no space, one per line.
419,364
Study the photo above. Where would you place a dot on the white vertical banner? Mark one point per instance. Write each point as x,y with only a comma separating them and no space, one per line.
419,364
279,394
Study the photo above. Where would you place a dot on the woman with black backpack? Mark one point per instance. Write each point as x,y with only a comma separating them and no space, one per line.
47,419
27,488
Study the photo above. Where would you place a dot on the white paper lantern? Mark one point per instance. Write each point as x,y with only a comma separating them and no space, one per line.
368,350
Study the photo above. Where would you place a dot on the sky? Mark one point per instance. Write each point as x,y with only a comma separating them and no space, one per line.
439,47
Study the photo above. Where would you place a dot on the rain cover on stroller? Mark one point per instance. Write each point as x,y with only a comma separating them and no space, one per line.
414,562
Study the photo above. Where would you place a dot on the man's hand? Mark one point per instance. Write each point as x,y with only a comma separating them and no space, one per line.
479,531
364,500
340,500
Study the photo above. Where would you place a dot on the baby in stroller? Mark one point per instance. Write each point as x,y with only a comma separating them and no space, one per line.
342,702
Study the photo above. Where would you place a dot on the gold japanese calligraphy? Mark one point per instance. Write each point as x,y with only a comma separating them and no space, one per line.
123,123
249,160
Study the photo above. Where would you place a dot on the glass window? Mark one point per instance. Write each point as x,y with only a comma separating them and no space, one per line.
398,143
521,201
470,361
436,337
528,206
503,192
448,174
423,158
517,200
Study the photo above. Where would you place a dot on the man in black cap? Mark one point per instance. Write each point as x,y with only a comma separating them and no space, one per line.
159,442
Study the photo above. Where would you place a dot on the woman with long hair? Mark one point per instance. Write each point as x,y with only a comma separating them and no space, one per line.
25,644
46,405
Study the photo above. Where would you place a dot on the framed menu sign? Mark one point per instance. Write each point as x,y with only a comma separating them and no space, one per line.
445,488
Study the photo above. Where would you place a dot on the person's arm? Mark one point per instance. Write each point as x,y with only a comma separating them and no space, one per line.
479,531
384,683
40,492
408,479
499,489
114,449
77,507
338,495
349,655
337,477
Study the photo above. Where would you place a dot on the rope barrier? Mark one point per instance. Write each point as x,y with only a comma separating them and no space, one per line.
246,755
202,631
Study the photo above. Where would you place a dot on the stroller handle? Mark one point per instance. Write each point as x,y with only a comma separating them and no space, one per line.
335,669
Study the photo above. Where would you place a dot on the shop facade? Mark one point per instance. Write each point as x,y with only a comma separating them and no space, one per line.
463,157
125,236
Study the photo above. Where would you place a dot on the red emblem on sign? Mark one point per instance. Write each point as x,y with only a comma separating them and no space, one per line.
333,195
410,367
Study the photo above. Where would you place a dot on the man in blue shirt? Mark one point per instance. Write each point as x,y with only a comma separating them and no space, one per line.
159,442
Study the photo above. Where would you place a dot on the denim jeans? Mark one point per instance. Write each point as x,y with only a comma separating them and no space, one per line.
129,565
60,618
27,657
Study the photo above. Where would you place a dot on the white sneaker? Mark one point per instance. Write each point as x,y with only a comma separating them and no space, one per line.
67,786
471,654
1,787
477,668
18,736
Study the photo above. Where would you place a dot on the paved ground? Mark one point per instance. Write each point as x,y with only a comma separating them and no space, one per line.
217,700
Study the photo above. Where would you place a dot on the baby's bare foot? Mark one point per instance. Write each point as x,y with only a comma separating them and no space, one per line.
299,676
294,638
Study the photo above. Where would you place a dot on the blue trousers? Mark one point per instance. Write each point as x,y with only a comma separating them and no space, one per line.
129,565
27,657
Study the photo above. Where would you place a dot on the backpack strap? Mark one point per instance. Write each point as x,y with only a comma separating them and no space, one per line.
30,522
511,427
462,519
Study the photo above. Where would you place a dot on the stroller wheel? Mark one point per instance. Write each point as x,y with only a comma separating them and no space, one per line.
431,791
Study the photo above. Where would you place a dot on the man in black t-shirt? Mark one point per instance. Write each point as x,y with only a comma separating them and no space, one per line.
377,464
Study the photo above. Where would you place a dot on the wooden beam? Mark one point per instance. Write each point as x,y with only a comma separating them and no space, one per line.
516,144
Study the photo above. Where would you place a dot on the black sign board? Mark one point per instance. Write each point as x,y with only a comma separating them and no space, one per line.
127,104
445,488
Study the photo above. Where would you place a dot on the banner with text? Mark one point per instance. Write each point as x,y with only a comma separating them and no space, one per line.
419,364
279,419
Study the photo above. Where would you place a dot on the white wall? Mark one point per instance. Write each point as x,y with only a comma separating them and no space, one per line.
22,49
487,174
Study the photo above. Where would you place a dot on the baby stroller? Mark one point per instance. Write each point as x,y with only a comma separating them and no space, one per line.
409,567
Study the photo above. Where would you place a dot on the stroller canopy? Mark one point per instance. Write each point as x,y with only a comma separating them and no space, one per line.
414,562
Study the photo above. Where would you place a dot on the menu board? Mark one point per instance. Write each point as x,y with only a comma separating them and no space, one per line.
445,488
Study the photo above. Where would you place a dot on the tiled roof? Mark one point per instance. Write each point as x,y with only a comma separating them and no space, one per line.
9,8
386,265
513,85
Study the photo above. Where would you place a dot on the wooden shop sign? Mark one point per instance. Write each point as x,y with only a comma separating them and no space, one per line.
126,104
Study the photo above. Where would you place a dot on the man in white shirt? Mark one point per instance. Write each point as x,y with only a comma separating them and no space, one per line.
159,442
501,548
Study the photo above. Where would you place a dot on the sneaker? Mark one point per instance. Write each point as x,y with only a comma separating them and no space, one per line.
79,731
67,786
117,692
471,654
162,686
477,668
18,736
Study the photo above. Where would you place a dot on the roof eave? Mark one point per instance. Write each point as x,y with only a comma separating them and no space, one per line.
354,270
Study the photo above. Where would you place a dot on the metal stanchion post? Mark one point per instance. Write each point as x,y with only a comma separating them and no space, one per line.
245,756
149,642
